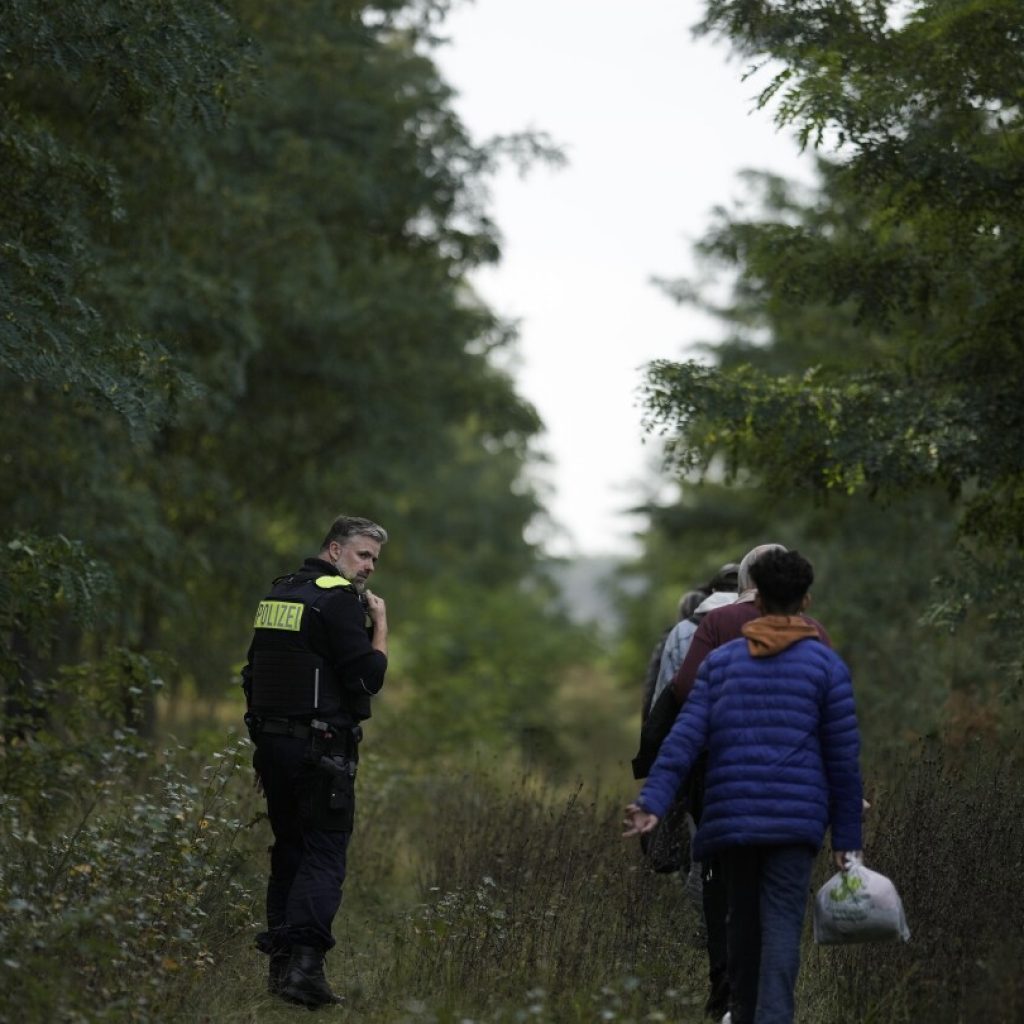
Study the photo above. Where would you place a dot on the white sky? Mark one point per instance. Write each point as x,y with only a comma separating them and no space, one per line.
655,126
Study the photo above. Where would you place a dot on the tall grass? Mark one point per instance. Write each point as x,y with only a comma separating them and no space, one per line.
532,903
472,898
948,827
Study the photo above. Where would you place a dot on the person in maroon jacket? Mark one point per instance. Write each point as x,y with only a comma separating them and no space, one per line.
718,627
724,624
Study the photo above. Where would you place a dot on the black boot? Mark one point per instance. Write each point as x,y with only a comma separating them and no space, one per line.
304,980
279,957
278,970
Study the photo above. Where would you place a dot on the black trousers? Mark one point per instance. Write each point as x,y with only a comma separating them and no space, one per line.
307,859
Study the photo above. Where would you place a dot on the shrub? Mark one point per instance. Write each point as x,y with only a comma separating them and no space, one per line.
109,914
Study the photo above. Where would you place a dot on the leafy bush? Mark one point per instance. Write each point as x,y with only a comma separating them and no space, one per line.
109,912
81,726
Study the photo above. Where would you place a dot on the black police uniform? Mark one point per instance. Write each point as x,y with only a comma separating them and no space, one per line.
308,681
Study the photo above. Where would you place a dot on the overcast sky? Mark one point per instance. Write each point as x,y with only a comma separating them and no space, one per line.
655,126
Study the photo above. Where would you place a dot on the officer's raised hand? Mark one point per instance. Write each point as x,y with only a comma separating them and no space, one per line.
375,607
378,613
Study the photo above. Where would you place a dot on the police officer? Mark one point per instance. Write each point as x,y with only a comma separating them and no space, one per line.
318,654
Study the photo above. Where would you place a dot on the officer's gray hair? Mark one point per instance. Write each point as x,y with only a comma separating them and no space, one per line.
354,526
744,580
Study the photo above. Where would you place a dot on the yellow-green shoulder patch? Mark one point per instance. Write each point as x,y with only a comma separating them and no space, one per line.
279,615
332,581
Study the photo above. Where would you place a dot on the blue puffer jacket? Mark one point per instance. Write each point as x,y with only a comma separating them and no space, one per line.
782,739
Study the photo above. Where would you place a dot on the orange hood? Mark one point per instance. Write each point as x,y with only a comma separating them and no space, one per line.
771,634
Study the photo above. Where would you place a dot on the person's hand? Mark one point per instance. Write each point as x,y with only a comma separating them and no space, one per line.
864,808
843,859
375,607
638,821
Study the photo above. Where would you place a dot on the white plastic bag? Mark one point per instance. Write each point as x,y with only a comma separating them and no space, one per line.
858,905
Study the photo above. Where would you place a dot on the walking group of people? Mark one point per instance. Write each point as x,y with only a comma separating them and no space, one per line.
750,720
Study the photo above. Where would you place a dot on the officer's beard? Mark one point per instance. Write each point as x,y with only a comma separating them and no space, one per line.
358,584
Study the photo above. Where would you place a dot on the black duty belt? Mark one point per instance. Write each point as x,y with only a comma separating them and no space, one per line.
285,727
334,739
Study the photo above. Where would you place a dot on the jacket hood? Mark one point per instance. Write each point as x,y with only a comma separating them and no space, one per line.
772,634
716,600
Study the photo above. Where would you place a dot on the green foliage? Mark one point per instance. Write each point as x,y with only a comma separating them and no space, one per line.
545,913
51,721
44,582
83,722
234,302
943,820
482,672
872,431
105,919
874,342
76,79
473,897
57,731
868,70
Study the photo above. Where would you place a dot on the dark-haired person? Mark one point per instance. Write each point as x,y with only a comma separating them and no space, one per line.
775,711
721,590
723,624
318,654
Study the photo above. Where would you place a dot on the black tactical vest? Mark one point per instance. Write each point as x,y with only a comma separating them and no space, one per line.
288,677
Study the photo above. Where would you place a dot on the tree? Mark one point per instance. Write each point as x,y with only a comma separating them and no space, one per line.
908,267
83,379
74,77
236,303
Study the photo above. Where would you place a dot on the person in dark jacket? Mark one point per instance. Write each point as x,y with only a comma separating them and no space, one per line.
687,605
716,628
775,711
318,655
721,590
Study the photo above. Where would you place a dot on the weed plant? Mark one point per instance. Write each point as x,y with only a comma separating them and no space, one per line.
532,903
948,828
469,901
131,887
135,897
521,903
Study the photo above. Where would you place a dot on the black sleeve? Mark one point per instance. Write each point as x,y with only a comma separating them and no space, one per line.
360,668
247,677
651,675
656,727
